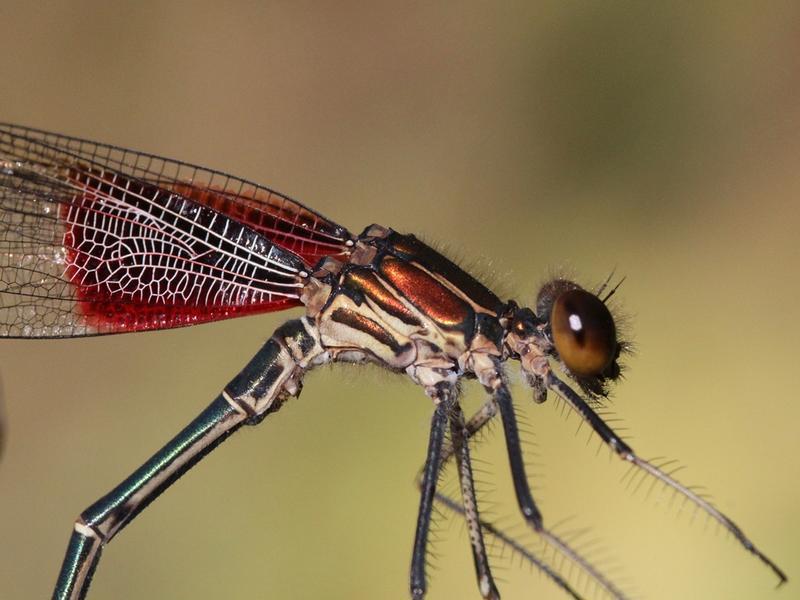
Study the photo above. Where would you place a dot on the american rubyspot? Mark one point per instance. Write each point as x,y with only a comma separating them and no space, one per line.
98,240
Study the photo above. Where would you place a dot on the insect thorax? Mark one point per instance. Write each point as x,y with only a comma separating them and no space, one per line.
403,305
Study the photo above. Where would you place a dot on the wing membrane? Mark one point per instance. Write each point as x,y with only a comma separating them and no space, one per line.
96,239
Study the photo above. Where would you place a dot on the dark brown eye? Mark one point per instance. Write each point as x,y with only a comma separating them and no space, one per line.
583,332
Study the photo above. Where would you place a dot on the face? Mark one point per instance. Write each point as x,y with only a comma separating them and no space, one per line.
573,327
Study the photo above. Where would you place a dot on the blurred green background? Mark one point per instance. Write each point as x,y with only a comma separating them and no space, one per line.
527,139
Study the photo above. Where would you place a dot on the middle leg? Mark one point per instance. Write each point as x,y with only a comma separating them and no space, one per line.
459,435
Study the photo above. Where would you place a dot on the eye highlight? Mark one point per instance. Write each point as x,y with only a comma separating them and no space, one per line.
583,332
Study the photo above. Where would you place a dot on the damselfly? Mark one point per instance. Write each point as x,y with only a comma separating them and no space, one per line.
96,240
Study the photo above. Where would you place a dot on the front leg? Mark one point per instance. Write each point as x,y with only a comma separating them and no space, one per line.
625,452
271,375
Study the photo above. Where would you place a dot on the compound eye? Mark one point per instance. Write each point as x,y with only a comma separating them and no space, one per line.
583,332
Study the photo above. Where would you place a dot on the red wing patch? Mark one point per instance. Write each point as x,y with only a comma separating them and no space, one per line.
97,240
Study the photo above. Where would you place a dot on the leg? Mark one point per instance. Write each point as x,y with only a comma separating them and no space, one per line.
459,435
529,511
626,453
501,398
476,422
430,477
258,390
480,419
516,547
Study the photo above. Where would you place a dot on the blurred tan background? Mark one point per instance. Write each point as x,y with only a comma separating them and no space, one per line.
663,141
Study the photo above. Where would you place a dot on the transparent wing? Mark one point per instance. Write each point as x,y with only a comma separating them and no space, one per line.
96,239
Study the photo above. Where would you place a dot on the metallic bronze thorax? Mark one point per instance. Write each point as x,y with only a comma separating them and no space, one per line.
402,304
